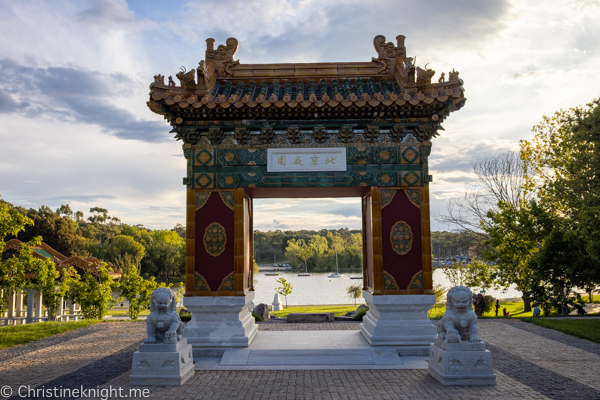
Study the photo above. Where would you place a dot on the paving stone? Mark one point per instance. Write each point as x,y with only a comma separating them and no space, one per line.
531,363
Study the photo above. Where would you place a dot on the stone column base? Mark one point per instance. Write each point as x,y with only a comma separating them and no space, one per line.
162,364
220,321
399,321
461,363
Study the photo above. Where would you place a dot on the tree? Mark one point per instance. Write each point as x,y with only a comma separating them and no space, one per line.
11,223
285,289
102,227
561,265
122,245
318,247
500,189
136,290
297,249
440,291
457,273
165,253
59,232
93,294
499,178
48,283
65,210
474,274
353,249
481,275
515,235
563,167
180,229
12,269
354,292
13,274
561,186
451,244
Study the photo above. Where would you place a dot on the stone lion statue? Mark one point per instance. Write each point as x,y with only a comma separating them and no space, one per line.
163,324
459,321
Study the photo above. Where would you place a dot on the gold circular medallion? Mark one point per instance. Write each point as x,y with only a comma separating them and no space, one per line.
401,238
215,239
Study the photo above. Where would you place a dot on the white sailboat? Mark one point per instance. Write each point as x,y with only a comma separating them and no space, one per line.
305,269
337,274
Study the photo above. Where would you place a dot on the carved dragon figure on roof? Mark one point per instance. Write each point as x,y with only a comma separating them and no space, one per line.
222,57
424,75
388,50
186,78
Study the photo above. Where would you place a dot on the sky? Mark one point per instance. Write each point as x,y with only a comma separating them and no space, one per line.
74,76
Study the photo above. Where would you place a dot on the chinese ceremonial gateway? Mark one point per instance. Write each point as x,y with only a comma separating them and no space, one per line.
353,129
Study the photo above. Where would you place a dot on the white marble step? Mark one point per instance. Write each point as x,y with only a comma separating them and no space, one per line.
248,357
309,350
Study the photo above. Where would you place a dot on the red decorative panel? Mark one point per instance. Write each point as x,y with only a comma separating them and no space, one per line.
215,214
401,230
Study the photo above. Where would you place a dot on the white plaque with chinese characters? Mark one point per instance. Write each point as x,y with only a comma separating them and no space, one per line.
306,160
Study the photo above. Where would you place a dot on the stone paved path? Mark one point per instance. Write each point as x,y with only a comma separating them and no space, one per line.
531,362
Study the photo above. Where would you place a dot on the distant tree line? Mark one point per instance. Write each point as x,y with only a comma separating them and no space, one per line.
314,249
452,244
159,253
102,236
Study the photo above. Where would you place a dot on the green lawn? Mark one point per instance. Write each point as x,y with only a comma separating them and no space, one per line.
515,308
18,334
124,312
584,328
339,311
595,300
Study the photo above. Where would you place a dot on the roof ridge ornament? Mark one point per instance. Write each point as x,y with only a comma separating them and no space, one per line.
388,50
222,57
424,76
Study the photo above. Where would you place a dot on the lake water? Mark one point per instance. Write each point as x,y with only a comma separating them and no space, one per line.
318,289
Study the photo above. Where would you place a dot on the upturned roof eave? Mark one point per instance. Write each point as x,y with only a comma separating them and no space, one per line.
220,82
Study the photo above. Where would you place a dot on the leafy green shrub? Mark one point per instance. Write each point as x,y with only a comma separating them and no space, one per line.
185,316
93,293
354,292
137,291
285,290
257,317
489,303
360,314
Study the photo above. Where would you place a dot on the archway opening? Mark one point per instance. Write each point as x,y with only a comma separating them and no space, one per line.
315,244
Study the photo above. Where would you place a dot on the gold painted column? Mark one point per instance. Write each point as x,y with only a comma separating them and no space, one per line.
426,241
377,241
240,242
190,240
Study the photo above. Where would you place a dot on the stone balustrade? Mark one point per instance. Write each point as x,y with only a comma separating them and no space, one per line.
19,313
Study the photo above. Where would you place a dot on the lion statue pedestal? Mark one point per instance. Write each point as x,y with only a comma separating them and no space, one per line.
458,356
165,357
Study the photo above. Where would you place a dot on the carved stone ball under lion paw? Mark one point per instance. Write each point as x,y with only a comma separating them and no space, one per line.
163,323
460,321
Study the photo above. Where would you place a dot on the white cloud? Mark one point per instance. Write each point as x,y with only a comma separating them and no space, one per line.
519,60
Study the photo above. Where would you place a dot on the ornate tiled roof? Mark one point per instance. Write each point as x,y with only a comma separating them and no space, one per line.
42,251
386,91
